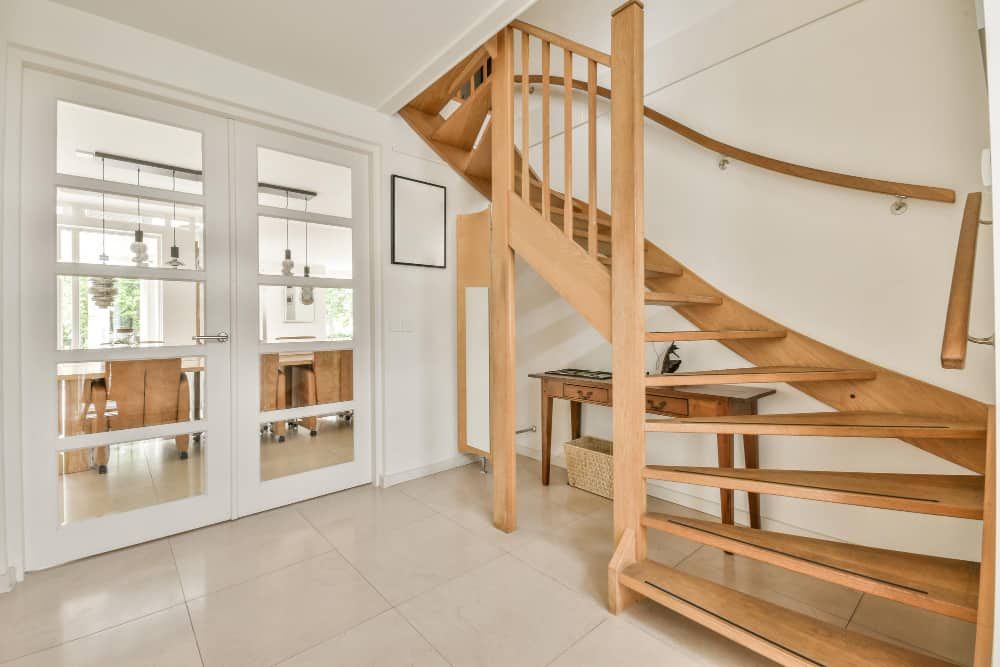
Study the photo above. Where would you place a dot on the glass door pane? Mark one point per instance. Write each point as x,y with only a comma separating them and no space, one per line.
304,393
124,262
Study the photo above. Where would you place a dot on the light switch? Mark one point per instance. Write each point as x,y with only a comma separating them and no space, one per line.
403,325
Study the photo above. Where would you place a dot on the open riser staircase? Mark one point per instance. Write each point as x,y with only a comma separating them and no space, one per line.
478,118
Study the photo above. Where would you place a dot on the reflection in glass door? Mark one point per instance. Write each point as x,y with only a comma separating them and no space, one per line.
125,267
303,332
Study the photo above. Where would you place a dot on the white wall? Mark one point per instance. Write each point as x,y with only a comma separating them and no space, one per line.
881,88
417,367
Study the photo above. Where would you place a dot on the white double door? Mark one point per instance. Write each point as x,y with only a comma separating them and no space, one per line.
178,367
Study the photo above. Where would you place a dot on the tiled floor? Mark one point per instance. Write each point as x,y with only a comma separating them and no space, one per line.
410,575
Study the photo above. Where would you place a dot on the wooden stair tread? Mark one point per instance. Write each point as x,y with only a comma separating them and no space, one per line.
760,374
653,269
728,334
462,127
834,424
783,635
942,585
944,495
674,299
437,95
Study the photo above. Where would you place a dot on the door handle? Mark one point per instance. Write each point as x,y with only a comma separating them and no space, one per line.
220,337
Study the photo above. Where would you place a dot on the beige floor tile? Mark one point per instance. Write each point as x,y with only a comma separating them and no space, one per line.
281,614
387,640
578,553
218,556
705,646
355,515
406,562
617,643
504,613
163,639
948,638
821,600
67,602
453,488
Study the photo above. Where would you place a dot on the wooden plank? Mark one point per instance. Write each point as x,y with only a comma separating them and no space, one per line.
461,128
653,269
568,148
525,118
777,633
675,299
563,264
562,42
737,334
472,262
987,574
480,163
627,279
502,318
760,374
436,96
546,133
592,157
944,495
942,585
956,323
831,424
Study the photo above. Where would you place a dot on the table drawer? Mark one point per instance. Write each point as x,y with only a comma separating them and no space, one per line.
667,405
581,392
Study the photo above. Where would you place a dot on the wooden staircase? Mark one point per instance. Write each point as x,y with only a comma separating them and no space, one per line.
602,265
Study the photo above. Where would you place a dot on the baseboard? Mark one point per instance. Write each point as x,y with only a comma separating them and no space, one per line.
423,471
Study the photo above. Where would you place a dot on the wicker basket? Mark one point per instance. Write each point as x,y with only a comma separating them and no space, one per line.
588,463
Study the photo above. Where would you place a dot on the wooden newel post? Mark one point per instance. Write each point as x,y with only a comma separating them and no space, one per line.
502,369
627,293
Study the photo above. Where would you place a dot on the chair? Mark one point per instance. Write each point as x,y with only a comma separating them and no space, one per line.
273,388
330,379
141,393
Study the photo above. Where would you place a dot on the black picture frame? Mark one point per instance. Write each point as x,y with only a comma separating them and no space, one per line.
398,255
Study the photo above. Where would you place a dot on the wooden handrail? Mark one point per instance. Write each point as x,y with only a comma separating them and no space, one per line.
563,43
927,192
956,323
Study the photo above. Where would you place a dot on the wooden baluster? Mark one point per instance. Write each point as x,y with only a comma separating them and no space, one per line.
525,76
546,194
627,287
568,139
502,349
592,156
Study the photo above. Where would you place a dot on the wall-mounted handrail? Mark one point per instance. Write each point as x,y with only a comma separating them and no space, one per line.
930,193
956,323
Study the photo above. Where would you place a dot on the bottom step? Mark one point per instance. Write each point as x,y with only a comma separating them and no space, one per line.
785,636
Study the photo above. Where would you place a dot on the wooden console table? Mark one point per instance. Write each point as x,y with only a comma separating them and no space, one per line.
694,401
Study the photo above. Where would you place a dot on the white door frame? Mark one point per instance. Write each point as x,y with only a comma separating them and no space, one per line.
253,495
46,542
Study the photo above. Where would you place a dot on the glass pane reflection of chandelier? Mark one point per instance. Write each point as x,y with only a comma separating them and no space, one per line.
103,290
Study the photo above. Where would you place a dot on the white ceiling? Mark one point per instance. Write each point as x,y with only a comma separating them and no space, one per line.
365,51
589,21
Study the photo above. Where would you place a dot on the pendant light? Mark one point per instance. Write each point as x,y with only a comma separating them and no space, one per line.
175,251
306,293
287,264
103,289
140,254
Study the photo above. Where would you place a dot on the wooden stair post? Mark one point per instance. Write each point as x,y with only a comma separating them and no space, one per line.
627,295
502,368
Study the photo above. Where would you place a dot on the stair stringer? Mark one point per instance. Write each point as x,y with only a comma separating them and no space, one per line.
888,392
578,278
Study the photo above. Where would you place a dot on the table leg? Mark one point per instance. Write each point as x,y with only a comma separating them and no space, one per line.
752,456
546,437
726,456
575,419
